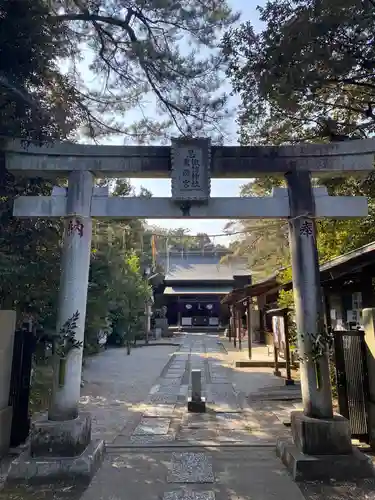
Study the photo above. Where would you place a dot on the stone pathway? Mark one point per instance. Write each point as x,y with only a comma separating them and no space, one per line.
162,452
170,454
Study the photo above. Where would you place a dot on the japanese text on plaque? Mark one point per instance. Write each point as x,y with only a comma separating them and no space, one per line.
191,171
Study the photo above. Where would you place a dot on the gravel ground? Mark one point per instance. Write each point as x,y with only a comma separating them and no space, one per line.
115,383
363,490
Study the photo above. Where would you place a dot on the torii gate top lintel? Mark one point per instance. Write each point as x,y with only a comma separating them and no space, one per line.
59,158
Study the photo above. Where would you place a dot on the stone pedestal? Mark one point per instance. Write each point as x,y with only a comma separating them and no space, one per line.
162,323
321,450
196,403
195,406
68,438
7,328
58,450
321,436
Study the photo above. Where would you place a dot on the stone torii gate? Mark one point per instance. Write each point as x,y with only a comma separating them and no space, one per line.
191,163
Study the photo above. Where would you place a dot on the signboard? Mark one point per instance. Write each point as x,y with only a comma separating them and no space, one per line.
354,316
191,169
278,329
357,300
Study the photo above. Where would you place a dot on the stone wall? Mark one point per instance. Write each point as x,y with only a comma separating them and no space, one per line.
7,327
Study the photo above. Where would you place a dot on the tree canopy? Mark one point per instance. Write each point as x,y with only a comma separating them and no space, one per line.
146,58
307,76
37,102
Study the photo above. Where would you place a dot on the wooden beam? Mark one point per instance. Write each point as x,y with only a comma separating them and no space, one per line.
57,159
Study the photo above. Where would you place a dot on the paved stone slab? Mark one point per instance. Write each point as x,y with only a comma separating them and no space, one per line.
225,389
191,468
154,389
168,390
189,495
152,426
163,398
159,411
223,407
184,389
218,380
231,417
197,419
197,436
149,439
168,382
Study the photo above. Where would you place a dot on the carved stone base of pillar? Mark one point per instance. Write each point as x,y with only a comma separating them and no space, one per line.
348,467
314,436
321,449
58,450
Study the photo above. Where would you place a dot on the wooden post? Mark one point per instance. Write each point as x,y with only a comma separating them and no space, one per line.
367,291
248,325
276,357
230,323
178,312
289,380
234,326
239,323
327,310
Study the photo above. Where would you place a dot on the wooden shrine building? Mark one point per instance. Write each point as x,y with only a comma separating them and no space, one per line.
194,285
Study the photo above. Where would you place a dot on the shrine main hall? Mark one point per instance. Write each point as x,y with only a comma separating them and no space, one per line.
194,285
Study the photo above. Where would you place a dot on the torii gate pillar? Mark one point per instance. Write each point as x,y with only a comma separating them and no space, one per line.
315,376
75,267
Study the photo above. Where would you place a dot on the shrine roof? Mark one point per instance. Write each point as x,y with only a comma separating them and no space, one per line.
260,288
199,272
201,267
338,268
198,290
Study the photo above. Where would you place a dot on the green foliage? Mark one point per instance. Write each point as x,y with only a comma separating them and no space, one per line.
307,76
135,50
35,102
263,242
66,341
118,291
